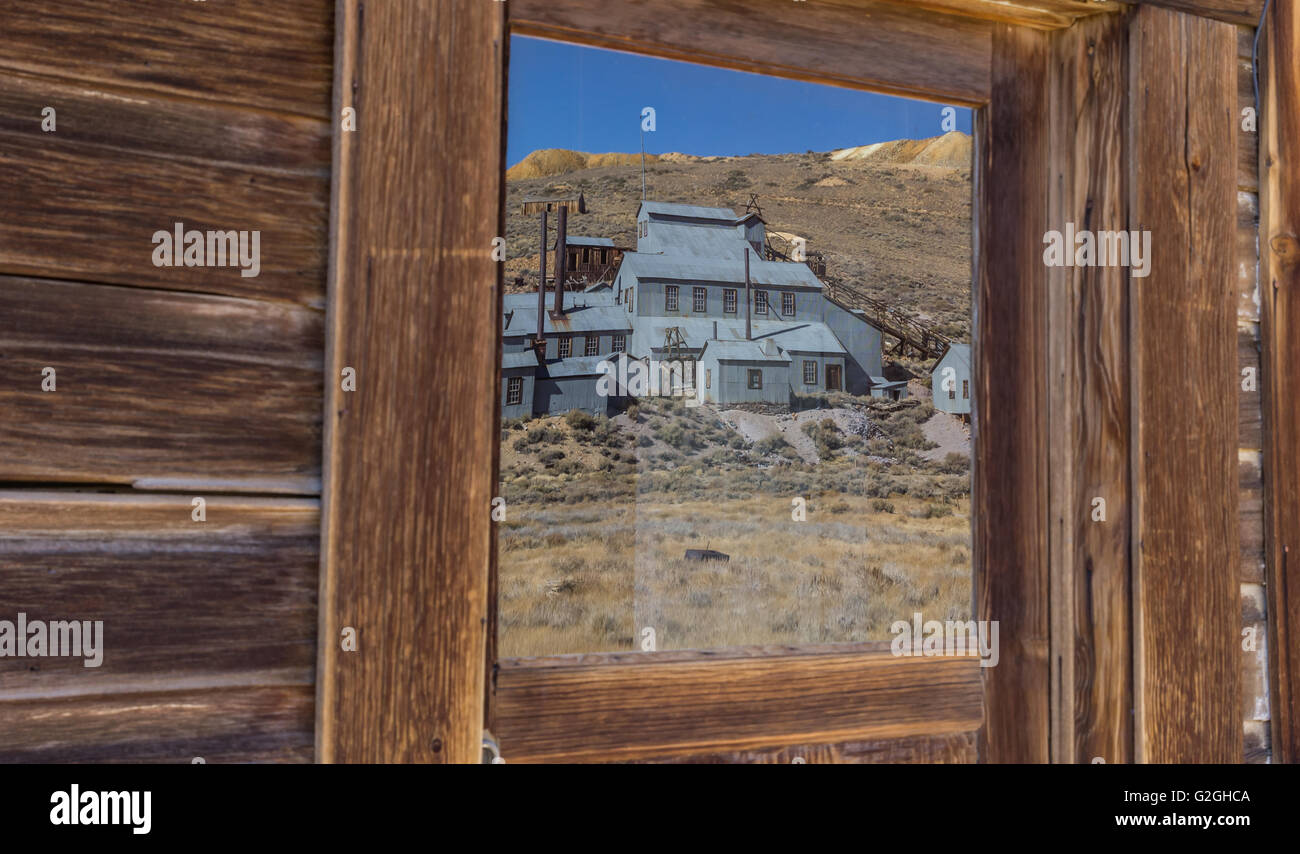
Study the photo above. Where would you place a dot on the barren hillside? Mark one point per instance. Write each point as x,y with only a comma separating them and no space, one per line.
892,218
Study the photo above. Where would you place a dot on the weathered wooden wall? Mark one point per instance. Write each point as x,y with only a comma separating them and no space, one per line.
171,382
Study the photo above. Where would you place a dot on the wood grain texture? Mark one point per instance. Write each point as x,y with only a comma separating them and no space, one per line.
1038,14
1241,12
1279,231
1251,516
1248,141
270,54
1185,523
883,46
231,600
1009,420
408,476
954,749
204,391
255,724
1088,421
100,117
84,201
594,710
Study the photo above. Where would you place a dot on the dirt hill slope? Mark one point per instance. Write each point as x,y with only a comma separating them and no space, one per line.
892,219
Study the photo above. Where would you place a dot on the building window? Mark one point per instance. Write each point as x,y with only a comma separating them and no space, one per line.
755,377
620,344
566,347
698,298
708,377
592,345
514,391
952,392
965,389
760,302
670,298
787,303
586,255
729,300
540,346
809,372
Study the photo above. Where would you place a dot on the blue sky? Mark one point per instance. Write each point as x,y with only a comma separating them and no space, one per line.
586,99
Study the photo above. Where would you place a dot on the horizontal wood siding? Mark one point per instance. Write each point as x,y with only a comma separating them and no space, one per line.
170,383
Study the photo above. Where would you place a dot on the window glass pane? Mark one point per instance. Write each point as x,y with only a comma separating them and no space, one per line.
732,475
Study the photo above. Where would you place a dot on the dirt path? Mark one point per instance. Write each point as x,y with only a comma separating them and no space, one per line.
949,433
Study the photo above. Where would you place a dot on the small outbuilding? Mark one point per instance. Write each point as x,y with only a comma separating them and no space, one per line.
950,381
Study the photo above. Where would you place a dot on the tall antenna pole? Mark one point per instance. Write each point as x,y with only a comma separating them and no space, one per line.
541,285
643,164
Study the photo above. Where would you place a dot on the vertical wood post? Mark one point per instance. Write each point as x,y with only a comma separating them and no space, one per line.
414,308
1182,182
1279,251
1010,465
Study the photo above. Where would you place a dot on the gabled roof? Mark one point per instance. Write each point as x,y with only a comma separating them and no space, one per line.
960,352
576,366
586,311
692,211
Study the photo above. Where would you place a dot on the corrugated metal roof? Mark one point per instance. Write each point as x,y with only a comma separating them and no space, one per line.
690,267
586,311
881,382
800,336
675,209
520,359
741,351
581,240
577,366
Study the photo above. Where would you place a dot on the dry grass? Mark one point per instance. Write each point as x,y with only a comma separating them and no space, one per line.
586,577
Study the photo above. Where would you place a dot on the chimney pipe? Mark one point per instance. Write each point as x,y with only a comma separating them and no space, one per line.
541,285
561,257
749,333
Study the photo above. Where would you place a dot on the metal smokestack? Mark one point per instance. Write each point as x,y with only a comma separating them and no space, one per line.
749,333
541,285
561,257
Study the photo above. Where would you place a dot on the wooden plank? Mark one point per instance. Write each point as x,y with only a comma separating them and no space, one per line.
272,55
1254,662
876,45
954,749
257,724
90,115
1185,525
1038,14
1280,282
1248,142
617,710
85,201
413,308
229,600
1089,411
1009,423
200,391
1241,12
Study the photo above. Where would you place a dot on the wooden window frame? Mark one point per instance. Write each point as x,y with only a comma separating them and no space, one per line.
753,378
730,295
619,343
787,295
699,299
807,365
564,347
1057,131
591,345
514,391
761,302
672,298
